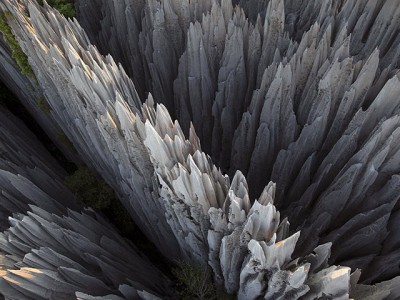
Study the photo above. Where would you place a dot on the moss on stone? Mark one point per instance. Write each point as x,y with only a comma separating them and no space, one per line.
16,52
43,105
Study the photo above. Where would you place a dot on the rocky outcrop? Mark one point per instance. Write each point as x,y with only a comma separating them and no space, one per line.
247,246
97,112
288,95
295,94
28,174
76,253
51,248
30,96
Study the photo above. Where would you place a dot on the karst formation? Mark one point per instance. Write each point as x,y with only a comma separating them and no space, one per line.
257,141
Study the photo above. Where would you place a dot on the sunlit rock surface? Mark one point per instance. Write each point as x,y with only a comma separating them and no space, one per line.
245,240
302,94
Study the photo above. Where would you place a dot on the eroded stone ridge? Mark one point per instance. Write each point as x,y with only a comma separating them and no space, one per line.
300,94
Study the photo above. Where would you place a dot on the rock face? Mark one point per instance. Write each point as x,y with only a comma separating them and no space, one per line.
79,252
29,175
30,95
301,93
288,95
51,248
97,112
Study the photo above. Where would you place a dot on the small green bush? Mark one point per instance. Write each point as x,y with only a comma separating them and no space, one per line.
95,193
43,105
90,190
65,7
16,52
194,282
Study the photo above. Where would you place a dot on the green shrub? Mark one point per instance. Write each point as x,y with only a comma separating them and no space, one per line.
90,190
16,52
194,282
43,105
95,193
65,140
65,7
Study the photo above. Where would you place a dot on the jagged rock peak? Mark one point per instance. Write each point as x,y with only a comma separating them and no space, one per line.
289,95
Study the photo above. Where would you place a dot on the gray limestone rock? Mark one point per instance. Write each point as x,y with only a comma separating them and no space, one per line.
28,173
51,250
301,93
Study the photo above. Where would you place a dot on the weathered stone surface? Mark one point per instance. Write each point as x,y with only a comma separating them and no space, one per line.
290,95
28,174
30,95
80,86
51,250
79,252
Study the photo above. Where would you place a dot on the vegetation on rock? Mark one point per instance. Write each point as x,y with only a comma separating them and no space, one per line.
17,54
95,193
194,282
89,190
65,7
43,105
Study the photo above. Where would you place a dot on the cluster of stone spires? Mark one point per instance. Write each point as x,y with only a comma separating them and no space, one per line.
303,94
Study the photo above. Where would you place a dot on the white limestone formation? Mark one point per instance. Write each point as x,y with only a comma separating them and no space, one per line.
288,95
246,243
300,93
